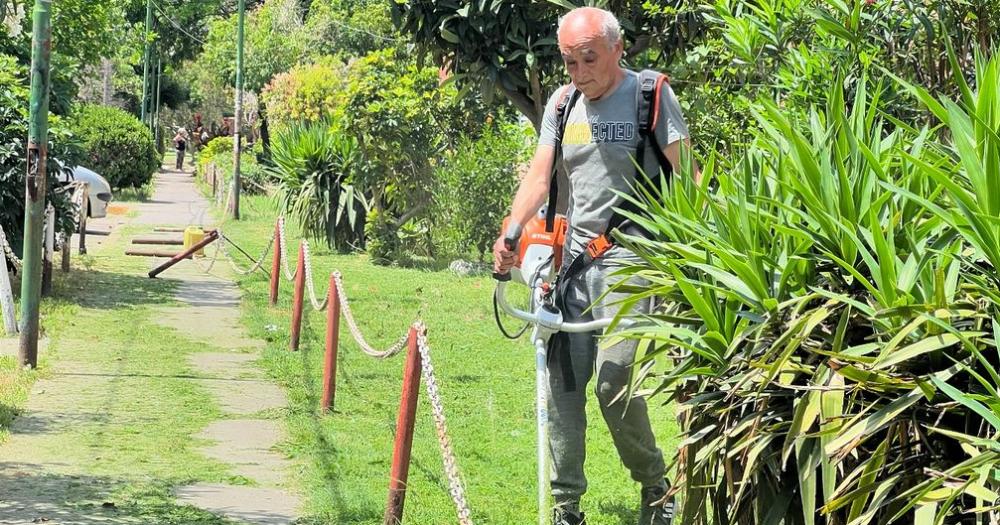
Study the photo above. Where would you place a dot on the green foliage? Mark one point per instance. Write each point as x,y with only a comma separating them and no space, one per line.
216,147
273,43
348,28
13,138
316,167
391,107
510,46
831,312
792,50
307,93
117,145
476,184
218,155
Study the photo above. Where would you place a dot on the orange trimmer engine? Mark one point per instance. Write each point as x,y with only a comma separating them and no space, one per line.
539,251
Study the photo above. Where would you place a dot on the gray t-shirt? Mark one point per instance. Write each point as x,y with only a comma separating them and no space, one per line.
598,147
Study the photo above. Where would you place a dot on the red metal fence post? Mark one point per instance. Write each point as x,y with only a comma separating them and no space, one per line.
404,434
332,341
276,265
300,288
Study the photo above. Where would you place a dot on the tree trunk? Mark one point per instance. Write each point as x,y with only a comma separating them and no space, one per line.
525,105
106,70
265,134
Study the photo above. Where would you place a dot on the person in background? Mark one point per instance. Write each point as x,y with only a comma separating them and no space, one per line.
180,144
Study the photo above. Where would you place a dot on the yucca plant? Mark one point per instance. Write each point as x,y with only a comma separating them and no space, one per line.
829,313
315,167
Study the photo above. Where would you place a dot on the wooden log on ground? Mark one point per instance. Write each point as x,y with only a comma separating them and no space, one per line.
138,252
164,241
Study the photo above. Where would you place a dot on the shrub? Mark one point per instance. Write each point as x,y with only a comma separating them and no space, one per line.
392,108
214,150
13,135
117,145
476,185
315,168
254,178
832,314
307,93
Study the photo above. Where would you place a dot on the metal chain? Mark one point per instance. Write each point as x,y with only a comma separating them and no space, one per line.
211,264
356,332
318,306
257,266
457,491
8,251
283,244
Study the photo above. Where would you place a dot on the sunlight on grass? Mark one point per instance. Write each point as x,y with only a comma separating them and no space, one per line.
487,384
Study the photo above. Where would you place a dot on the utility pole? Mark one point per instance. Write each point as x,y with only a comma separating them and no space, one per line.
156,112
238,117
34,183
146,58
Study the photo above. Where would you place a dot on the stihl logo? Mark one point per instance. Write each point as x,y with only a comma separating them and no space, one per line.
541,238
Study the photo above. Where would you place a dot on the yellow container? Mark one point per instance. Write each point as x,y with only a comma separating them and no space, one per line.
193,235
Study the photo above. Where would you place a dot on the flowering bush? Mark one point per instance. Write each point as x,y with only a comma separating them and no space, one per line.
305,94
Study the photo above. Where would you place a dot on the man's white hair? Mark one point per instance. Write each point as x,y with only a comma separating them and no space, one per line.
610,29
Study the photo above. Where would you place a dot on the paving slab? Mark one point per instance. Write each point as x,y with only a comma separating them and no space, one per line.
228,365
176,202
207,312
247,445
210,311
246,397
258,506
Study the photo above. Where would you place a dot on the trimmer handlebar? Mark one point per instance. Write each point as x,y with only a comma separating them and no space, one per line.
510,243
550,319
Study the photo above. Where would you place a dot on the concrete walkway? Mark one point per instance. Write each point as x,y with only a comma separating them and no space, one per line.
35,487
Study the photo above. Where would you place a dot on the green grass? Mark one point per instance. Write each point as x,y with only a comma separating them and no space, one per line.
141,194
134,405
486,381
14,387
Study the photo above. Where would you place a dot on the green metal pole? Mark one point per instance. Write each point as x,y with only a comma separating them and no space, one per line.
34,183
238,117
146,58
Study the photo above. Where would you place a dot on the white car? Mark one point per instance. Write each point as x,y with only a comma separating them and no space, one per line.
100,190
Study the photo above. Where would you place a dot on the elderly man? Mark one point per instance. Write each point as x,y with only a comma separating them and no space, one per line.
594,128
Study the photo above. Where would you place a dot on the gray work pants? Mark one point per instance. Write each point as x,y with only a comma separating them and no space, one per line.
630,428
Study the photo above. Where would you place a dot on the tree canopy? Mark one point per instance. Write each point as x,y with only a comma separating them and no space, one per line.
510,45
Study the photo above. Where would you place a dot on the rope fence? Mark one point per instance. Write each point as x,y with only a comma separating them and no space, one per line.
418,363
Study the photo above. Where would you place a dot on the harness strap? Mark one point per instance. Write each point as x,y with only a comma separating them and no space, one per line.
566,102
648,101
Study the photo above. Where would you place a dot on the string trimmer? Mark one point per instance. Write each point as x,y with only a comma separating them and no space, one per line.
540,254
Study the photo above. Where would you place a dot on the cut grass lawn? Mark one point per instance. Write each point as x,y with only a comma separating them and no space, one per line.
487,384
131,407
